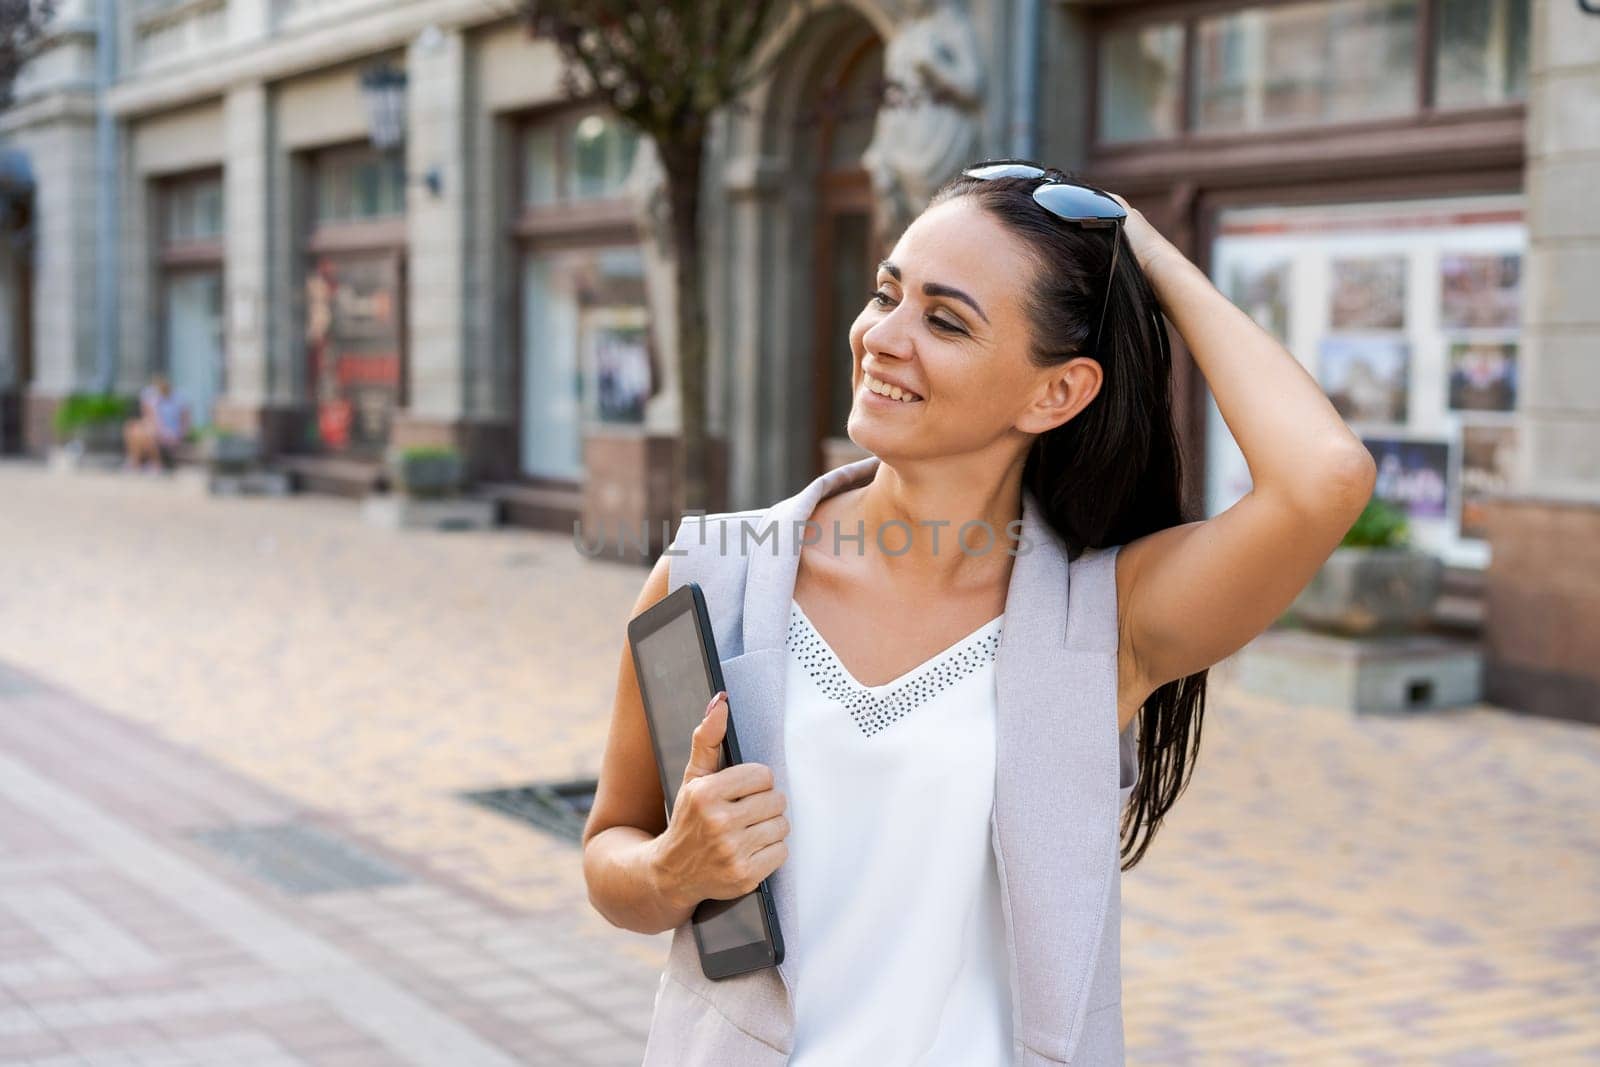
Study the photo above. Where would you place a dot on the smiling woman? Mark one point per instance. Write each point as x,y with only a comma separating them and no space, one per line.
1009,367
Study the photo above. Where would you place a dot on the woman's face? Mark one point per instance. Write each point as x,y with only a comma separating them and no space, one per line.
947,324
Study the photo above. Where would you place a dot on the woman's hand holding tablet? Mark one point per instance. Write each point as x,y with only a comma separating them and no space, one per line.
728,825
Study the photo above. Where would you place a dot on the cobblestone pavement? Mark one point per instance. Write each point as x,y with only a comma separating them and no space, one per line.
1330,889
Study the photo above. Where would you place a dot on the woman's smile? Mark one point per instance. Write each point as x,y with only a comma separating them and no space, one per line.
877,392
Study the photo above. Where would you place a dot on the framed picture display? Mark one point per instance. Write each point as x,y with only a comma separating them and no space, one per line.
618,376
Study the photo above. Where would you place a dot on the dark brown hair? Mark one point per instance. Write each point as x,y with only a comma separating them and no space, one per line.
1113,472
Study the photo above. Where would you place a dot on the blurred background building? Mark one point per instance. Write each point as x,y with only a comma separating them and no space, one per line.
341,225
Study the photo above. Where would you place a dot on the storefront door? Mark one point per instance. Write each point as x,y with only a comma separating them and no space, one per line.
192,329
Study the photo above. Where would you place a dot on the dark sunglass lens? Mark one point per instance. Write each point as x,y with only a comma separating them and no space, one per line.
1004,170
1078,202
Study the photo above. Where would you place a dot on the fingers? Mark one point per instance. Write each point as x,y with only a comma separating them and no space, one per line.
705,747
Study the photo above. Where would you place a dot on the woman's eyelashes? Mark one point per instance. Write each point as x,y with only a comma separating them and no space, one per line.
881,299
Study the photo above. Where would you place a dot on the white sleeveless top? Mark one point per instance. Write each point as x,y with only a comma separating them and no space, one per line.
901,957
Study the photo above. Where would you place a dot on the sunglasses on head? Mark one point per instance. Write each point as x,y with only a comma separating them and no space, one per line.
1067,200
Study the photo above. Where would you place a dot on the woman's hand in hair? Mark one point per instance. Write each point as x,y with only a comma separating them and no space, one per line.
1145,240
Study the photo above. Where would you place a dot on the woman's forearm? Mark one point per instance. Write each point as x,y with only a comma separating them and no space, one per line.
1284,423
624,885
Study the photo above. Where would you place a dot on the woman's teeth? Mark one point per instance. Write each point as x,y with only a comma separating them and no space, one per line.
893,392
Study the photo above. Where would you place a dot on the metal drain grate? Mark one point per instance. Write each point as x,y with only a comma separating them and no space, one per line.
559,807
300,859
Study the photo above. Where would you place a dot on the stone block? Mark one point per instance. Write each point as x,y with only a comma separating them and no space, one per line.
396,511
1395,675
203,482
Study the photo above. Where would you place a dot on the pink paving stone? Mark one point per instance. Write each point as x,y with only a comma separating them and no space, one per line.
117,1036
322,1035
57,989
192,1026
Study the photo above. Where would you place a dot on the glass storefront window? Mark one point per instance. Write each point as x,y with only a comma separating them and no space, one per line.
192,330
1304,64
1482,52
585,351
1141,72
1409,316
353,344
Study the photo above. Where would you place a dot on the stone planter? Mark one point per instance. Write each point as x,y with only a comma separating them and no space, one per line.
1362,591
228,453
428,476
98,437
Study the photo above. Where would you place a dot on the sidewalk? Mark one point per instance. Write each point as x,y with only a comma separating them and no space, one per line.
1330,889
125,939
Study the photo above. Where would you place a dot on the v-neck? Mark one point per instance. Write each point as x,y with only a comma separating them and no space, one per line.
905,676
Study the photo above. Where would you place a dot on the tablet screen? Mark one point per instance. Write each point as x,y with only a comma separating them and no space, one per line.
676,689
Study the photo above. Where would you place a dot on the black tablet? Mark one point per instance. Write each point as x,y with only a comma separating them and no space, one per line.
675,659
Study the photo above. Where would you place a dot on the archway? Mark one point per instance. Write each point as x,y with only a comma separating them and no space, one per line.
801,262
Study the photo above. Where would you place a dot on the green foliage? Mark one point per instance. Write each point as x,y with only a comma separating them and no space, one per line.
418,453
89,409
1380,525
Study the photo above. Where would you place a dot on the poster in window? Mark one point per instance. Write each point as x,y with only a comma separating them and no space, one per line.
1368,294
1412,475
353,346
1487,455
1483,375
1366,377
617,343
1480,291
1262,291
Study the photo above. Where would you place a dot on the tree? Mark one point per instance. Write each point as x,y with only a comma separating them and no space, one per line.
666,67
22,24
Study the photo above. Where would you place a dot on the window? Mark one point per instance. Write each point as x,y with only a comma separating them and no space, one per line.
356,186
1141,72
1304,64
576,157
192,211
1482,52
1408,314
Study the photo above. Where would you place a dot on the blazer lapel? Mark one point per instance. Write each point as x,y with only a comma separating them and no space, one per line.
1055,790
763,667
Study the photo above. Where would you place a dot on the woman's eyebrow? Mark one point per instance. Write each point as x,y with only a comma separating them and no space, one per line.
936,289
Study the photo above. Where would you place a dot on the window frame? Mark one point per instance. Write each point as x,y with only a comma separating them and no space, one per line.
1188,13
566,216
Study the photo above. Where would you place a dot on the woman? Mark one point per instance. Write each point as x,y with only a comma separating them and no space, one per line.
1013,367
152,438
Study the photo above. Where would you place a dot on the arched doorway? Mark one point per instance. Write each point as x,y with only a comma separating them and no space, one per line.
844,256
797,216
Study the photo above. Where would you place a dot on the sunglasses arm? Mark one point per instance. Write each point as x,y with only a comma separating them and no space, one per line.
1111,275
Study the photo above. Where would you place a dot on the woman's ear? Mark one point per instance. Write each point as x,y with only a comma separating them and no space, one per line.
1061,393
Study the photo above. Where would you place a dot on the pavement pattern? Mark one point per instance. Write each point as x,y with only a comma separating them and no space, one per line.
1330,888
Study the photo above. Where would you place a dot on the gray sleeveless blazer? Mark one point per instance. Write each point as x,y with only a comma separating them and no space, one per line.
1062,776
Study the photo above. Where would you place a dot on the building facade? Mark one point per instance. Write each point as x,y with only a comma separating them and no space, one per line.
345,225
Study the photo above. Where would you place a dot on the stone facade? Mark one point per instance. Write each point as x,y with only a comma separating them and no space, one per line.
252,89
1543,581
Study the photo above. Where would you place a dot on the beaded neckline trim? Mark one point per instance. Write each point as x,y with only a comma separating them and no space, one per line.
874,707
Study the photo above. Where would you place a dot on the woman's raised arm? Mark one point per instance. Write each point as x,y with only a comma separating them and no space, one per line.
1193,594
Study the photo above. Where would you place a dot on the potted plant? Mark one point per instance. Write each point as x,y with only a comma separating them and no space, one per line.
427,471
225,452
1376,581
92,422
